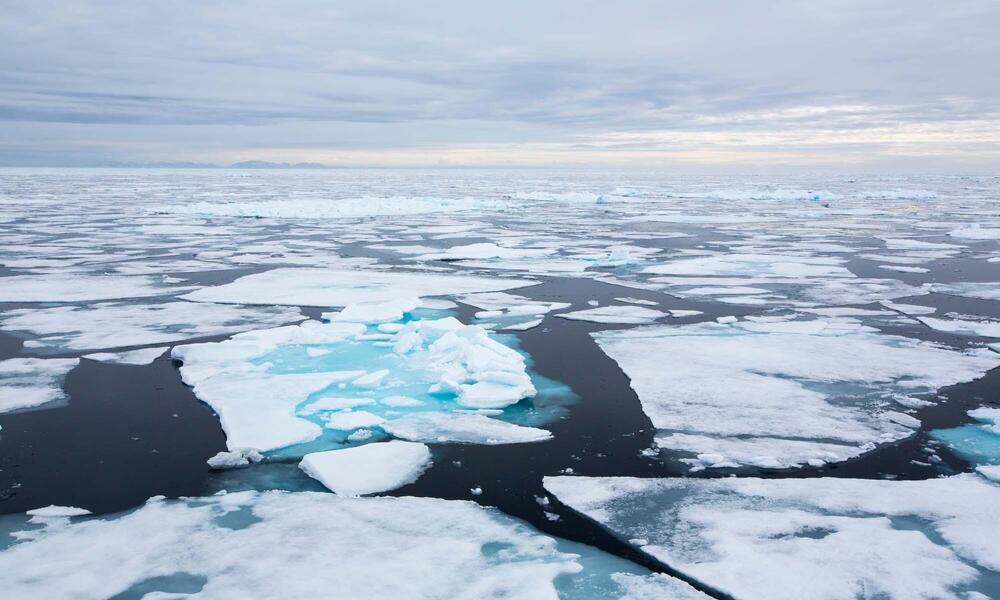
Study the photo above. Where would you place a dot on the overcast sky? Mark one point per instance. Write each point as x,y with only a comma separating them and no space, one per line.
902,85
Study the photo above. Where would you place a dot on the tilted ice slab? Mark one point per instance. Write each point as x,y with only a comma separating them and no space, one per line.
780,394
615,314
332,209
237,546
772,539
113,325
80,288
31,382
277,387
340,287
368,469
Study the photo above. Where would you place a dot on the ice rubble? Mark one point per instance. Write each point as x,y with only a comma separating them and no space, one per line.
80,288
235,459
31,382
780,393
341,287
368,469
236,546
615,314
822,538
271,392
346,208
113,325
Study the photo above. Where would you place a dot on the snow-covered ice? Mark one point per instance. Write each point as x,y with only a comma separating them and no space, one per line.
331,287
143,356
807,538
237,545
462,427
780,394
615,314
368,469
32,382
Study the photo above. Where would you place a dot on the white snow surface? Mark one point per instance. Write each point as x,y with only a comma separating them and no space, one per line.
32,382
341,287
364,548
769,390
368,469
114,325
631,315
345,208
828,538
463,428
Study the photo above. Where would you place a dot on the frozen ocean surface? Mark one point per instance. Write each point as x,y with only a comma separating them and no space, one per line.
712,375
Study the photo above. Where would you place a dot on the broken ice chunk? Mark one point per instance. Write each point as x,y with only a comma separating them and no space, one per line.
368,469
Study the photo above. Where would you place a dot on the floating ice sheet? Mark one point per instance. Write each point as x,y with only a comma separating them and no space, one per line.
368,469
237,546
615,314
780,394
143,356
772,539
278,387
31,382
332,208
114,325
462,427
978,443
333,287
80,288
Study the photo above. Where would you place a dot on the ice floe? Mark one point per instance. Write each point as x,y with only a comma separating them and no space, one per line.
615,314
345,208
979,442
780,394
270,392
806,538
32,382
368,469
333,287
113,325
80,288
143,356
462,427
237,546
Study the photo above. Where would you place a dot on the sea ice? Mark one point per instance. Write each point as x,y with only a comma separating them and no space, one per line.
80,288
978,443
237,546
983,328
114,325
615,314
825,538
767,390
368,469
332,287
344,208
143,356
234,459
31,382
463,428
270,393
754,265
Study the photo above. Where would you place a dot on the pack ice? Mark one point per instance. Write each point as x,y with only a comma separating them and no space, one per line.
31,382
823,539
367,367
784,393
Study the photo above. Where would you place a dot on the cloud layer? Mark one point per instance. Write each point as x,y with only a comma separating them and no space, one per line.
709,83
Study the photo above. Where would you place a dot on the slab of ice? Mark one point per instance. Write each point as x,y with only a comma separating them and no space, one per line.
630,300
113,325
270,392
143,356
53,511
983,328
332,287
484,250
236,546
904,269
615,314
80,288
368,469
31,382
656,586
768,390
806,538
462,428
